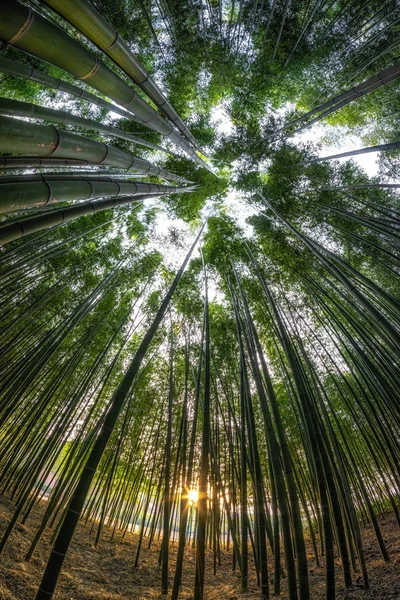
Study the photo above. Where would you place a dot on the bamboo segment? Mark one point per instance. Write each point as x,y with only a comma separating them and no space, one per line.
20,193
31,74
21,162
18,229
204,464
21,137
364,186
16,108
98,174
167,500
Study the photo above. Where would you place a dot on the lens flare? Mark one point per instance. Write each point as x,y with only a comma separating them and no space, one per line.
193,496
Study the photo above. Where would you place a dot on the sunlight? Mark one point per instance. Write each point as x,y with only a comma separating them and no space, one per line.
193,496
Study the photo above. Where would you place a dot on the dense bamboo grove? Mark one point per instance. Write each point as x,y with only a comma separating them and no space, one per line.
214,361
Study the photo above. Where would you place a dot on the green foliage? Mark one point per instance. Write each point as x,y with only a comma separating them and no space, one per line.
209,188
188,301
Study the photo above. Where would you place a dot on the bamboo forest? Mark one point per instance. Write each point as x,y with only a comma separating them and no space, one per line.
199,307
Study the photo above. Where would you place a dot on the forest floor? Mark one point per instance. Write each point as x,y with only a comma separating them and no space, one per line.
106,572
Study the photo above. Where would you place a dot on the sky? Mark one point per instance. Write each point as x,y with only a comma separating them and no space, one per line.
368,162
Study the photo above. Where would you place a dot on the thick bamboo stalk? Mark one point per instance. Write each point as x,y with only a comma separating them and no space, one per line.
17,69
204,465
21,137
21,162
167,500
40,190
98,174
16,108
243,492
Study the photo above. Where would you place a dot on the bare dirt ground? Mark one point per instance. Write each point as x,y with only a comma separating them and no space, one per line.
106,572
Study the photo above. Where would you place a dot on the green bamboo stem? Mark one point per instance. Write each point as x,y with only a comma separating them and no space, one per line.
369,85
21,137
189,474
376,289
29,225
16,108
243,491
378,148
362,186
29,73
22,162
305,405
204,466
167,500
279,492
287,462
44,190
315,10
260,516
380,320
